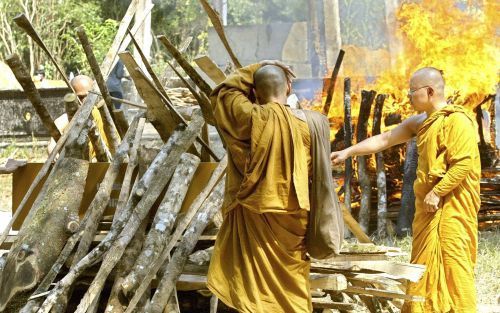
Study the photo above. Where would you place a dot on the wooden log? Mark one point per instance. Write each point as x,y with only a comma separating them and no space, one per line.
347,143
407,210
174,268
124,266
163,120
201,98
333,80
328,281
101,151
168,71
156,109
121,40
130,142
190,71
383,294
381,179
367,98
211,69
179,230
109,120
215,19
354,227
163,222
33,254
23,77
74,128
75,125
147,190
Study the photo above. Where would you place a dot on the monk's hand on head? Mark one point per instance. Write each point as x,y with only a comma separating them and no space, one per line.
290,75
339,156
431,202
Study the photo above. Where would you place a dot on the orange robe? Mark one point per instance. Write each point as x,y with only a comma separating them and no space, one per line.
446,241
259,263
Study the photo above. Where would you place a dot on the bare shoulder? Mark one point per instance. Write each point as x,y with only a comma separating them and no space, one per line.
414,122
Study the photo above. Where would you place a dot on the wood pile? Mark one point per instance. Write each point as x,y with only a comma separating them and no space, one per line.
59,262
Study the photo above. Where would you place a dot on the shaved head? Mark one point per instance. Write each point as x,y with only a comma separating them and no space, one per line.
428,76
82,84
270,83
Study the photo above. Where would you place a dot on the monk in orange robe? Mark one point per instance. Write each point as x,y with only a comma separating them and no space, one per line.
446,192
259,263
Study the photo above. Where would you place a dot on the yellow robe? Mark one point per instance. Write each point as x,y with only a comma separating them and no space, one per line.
446,241
259,263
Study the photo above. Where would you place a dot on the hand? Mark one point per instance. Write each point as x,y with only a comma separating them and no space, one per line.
339,156
431,202
290,75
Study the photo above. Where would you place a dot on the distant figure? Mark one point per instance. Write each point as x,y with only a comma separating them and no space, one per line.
114,83
446,194
82,84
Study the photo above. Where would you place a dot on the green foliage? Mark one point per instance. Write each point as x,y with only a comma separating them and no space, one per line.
56,21
101,36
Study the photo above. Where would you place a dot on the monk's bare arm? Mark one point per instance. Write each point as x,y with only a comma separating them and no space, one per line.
401,134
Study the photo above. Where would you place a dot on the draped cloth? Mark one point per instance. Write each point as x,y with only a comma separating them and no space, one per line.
259,262
446,241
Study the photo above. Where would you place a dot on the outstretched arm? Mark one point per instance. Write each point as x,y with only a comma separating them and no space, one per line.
398,135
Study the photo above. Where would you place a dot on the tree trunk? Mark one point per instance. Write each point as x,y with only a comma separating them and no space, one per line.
174,268
364,179
347,142
407,211
163,222
381,179
36,249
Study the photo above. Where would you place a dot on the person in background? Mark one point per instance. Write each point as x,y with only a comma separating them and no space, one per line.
114,83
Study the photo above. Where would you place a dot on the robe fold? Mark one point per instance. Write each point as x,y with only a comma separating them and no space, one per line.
446,241
259,262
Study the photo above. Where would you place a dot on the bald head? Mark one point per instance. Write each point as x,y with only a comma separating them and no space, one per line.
82,84
428,76
270,84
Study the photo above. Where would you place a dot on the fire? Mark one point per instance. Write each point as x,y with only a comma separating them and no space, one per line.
458,38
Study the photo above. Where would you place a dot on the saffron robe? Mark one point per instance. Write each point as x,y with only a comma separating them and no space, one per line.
446,241
259,263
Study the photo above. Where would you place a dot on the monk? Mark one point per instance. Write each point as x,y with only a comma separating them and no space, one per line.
82,84
259,263
446,192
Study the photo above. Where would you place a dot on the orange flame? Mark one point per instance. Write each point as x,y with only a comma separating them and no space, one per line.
460,40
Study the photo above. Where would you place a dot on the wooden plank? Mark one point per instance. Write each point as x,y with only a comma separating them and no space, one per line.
211,69
411,272
156,113
383,294
328,281
327,303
